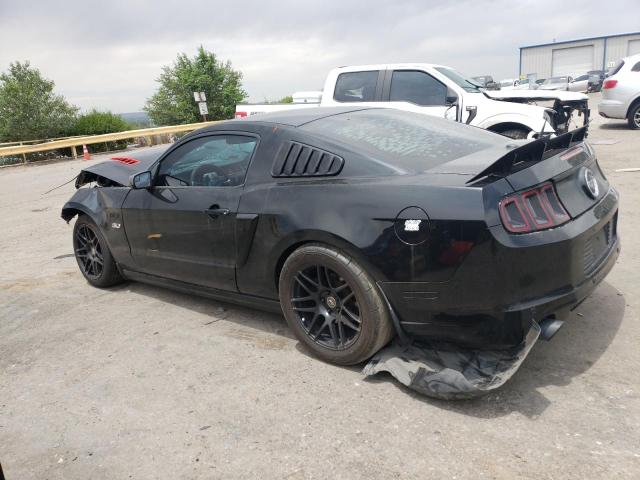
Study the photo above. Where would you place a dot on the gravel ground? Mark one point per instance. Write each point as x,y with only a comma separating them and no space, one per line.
141,382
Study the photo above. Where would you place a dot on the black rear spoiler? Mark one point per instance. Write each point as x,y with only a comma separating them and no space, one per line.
531,153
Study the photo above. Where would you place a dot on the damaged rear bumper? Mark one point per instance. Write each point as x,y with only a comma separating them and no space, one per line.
448,372
485,308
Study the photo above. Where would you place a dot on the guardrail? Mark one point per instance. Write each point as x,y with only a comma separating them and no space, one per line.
73,142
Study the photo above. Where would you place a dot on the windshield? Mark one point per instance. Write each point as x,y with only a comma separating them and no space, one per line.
556,80
466,83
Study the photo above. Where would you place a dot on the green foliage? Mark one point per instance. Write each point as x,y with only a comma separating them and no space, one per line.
96,123
173,103
29,109
287,99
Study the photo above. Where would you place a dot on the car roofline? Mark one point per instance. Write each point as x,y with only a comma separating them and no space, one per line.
280,117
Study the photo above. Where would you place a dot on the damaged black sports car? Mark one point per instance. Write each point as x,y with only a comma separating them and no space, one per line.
359,224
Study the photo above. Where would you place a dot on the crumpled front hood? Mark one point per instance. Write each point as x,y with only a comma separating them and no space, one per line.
120,167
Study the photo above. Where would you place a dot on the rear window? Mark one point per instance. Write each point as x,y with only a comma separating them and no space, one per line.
407,141
617,68
356,87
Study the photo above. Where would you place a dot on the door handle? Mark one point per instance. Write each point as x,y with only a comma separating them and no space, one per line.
215,211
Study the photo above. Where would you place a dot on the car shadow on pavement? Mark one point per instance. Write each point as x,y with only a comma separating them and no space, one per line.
215,310
578,345
585,336
621,125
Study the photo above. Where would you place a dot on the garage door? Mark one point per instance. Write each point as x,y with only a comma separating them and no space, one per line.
634,47
572,61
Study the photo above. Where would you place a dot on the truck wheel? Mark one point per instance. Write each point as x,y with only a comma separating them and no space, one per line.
515,133
634,117
333,306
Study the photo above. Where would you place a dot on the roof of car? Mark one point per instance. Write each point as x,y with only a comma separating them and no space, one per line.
301,116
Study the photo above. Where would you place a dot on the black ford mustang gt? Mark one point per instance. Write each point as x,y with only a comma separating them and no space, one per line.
358,224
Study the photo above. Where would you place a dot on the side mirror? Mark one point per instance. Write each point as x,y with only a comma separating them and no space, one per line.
451,98
141,180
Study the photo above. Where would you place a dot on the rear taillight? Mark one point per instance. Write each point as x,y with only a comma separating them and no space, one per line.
241,114
535,209
609,84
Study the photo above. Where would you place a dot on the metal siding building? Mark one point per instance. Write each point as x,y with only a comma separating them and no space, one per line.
576,57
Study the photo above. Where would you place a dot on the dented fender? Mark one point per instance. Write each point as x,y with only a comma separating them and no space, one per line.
103,206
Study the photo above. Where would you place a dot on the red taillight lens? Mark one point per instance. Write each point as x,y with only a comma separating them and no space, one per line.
609,84
513,217
555,208
535,209
241,114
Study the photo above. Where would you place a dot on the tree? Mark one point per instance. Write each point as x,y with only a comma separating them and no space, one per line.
29,109
173,103
287,99
96,123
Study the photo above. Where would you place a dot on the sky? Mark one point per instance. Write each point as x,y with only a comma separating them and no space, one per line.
108,54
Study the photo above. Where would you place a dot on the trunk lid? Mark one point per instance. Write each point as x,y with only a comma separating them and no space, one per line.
567,160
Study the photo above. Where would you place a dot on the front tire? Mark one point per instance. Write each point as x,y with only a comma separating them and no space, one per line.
634,117
93,255
333,306
515,133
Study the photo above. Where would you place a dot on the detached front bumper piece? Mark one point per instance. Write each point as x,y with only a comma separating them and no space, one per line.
450,372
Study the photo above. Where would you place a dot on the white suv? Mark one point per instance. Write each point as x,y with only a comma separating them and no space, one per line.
621,92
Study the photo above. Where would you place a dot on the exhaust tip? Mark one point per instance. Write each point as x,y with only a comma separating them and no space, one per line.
549,327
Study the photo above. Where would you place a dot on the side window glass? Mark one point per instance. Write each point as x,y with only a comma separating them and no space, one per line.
356,87
417,87
213,161
636,67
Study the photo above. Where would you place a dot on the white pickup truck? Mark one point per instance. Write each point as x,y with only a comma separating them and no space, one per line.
440,91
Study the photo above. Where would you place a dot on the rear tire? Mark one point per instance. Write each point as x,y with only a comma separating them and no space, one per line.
333,306
634,117
93,255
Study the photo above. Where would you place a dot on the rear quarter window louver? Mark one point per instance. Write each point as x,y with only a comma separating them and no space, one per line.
300,160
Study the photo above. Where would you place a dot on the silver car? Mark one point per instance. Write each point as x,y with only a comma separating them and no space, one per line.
621,92
556,83
579,84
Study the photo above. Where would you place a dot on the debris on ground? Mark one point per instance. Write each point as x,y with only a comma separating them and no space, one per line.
448,371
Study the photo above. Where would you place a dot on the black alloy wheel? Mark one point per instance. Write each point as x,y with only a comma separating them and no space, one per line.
89,252
93,255
333,305
326,307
